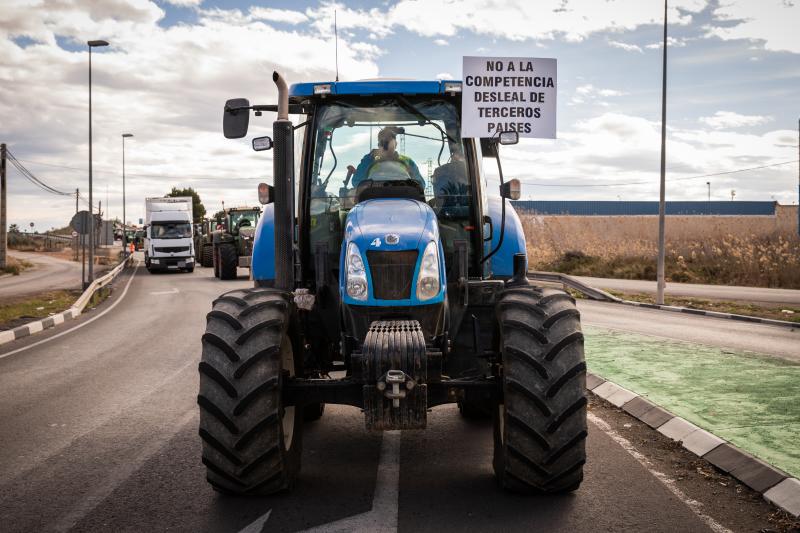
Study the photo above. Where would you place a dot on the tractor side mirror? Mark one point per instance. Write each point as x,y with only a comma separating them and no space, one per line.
266,194
511,189
236,118
508,137
262,143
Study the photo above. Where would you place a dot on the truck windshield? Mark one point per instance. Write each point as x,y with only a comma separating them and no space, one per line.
170,230
390,140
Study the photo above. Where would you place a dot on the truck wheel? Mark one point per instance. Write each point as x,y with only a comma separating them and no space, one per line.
228,261
540,428
251,442
207,255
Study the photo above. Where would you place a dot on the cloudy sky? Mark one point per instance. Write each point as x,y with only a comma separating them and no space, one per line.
733,101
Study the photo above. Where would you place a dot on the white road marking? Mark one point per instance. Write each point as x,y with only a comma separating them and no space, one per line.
258,525
82,324
112,479
383,516
173,290
667,481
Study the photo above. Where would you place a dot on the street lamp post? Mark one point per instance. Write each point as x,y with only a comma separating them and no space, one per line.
92,44
124,234
708,183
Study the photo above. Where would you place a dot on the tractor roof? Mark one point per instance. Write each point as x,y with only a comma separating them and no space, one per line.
375,87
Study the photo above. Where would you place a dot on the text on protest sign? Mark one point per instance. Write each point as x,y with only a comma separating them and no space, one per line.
509,94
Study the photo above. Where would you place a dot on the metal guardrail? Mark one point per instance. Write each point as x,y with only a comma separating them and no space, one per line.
572,283
99,283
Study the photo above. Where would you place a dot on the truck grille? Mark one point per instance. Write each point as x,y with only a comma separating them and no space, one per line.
171,249
392,273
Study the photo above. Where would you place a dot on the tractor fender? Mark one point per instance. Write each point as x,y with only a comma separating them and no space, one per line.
263,265
502,263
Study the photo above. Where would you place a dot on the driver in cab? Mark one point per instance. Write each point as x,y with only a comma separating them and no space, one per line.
385,163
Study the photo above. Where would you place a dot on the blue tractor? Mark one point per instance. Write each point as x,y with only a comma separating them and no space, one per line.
387,278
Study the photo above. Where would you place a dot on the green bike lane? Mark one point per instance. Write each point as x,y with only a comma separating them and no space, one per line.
750,399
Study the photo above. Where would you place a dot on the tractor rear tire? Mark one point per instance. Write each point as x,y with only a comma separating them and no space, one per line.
540,428
251,443
228,261
215,259
207,255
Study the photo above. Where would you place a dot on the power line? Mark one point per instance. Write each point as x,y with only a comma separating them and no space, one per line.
156,176
536,184
32,178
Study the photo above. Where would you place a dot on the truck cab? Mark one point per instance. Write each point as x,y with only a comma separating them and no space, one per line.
169,241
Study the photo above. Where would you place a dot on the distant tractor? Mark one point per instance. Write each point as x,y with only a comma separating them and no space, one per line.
203,242
233,241
414,286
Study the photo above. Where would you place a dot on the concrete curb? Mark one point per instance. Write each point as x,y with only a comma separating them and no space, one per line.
598,294
75,311
776,486
715,314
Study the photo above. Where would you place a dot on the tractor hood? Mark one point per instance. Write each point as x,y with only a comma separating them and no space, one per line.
407,223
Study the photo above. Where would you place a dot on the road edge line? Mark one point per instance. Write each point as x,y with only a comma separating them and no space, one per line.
73,313
37,326
775,486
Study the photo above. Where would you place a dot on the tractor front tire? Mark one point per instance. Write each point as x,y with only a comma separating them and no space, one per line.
251,442
207,255
215,259
540,428
228,261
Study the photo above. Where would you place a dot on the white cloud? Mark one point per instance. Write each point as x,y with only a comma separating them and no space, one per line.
774,22
167,86
278,15
517,20
589,92
185,3
672,42
619,148
729,119
445,76
441,42
625,46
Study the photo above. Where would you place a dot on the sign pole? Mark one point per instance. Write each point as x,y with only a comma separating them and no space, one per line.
3,229
662,193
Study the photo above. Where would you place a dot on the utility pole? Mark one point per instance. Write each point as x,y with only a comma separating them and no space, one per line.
3,228
709,190
77,193
798,177
662,193
124,227
91,45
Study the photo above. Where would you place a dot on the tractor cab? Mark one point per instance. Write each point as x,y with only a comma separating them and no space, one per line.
381,253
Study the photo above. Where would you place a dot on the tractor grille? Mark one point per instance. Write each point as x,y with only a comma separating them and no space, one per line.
392,273
171,249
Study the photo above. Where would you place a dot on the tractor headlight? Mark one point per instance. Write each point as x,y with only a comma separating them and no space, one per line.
356,280
428,279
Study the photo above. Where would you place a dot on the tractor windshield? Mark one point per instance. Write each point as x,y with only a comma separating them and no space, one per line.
243,219
393,140
361,148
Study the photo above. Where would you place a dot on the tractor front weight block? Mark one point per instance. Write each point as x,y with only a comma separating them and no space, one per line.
394,367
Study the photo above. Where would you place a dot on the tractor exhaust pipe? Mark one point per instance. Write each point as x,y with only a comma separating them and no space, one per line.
283,183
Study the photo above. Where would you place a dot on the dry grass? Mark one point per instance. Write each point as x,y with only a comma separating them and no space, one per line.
15,266
718,250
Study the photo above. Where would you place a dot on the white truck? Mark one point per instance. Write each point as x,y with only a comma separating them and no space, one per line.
168,242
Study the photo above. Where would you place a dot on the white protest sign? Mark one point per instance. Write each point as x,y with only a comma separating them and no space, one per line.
509,94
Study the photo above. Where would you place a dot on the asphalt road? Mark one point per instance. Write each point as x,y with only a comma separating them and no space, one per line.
98,432
48,273
760,295
778,341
